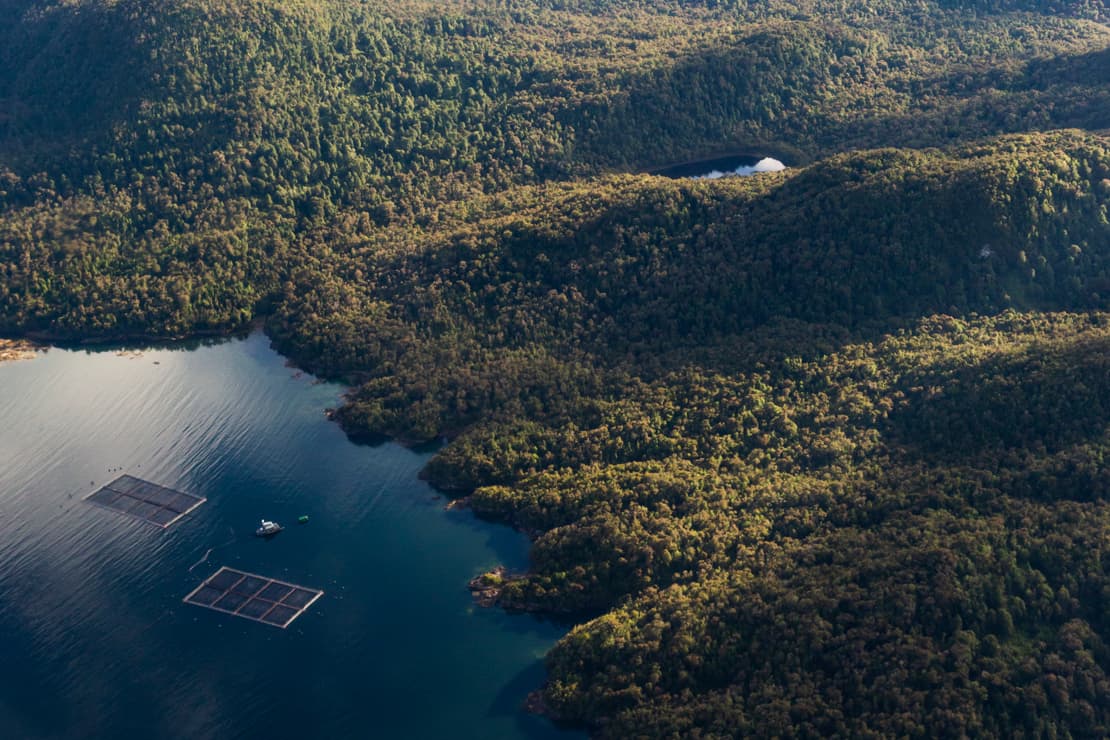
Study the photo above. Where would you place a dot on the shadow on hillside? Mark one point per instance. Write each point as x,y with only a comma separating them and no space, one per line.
757,96
68,73
749,96
1067,91
1090,69
1042,402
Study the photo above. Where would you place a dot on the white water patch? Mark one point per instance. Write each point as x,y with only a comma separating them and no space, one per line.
767,164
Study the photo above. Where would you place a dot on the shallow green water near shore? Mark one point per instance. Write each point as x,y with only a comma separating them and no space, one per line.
95,639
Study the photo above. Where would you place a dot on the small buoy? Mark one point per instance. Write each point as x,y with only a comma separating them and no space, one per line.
303,518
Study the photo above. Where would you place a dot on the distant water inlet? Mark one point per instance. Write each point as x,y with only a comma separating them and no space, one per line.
738,165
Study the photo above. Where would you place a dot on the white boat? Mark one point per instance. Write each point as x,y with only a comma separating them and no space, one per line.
268,528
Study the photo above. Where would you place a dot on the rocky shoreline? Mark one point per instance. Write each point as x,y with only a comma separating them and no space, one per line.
12,350
486,588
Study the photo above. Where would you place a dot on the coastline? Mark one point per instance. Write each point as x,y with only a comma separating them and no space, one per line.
68,340
14,350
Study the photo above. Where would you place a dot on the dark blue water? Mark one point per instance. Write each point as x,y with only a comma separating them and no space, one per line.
94,639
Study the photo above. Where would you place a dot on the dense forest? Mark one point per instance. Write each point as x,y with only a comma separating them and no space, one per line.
818,452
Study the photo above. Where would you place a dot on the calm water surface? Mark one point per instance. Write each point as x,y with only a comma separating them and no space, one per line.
94,639
723,166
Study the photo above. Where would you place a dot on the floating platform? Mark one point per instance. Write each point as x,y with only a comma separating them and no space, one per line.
146,501
252,596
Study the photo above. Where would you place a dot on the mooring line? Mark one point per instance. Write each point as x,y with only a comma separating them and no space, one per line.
205,558
202,560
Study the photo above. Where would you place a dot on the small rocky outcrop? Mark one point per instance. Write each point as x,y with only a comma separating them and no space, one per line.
486,588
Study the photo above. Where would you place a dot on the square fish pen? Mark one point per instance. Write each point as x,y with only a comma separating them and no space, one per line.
146,501
252,596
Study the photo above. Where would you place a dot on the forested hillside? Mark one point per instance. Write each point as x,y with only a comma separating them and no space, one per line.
818,452
160,160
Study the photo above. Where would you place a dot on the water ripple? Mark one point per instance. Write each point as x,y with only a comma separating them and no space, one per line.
95,638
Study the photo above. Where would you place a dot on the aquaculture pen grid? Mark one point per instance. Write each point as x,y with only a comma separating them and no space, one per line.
146,501
254,597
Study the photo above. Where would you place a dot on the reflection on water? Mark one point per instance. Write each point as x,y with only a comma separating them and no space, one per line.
95,639
722,167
